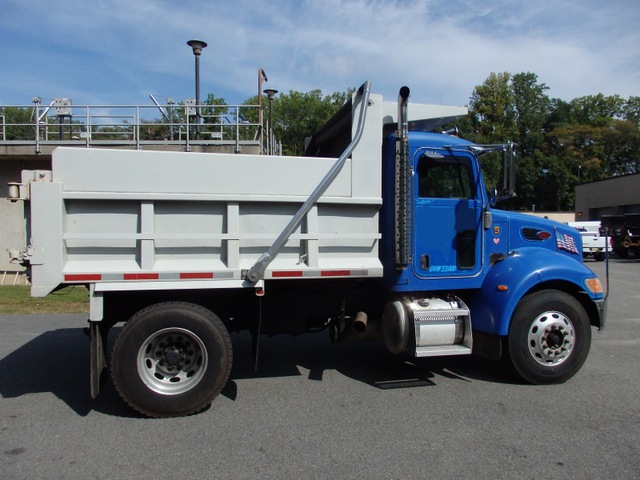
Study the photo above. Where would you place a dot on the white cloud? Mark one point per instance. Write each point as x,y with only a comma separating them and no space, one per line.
119,51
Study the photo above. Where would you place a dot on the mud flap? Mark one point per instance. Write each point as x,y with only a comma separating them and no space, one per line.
98,358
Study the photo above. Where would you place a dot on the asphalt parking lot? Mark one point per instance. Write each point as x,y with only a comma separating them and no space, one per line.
317,410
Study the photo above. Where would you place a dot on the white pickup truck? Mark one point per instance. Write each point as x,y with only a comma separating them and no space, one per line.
593,244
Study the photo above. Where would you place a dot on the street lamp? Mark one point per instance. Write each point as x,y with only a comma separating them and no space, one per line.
262,77
197,46
270,93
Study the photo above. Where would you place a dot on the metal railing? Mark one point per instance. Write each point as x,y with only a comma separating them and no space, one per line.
133,126
12,277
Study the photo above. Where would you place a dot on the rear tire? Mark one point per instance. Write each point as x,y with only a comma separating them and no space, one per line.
549,337
171,359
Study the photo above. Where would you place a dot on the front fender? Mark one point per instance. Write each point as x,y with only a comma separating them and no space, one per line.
512,278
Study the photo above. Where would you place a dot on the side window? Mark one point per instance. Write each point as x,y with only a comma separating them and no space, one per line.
448,177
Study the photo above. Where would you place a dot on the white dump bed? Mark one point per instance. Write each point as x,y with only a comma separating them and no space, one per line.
122,219
109,216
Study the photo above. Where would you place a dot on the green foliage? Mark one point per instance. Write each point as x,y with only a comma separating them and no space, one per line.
631,111
596,110
215,110
492,109
560,143
20,125
532,109
297,115
621,145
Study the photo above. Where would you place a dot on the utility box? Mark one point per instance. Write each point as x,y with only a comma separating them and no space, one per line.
62,106
190,104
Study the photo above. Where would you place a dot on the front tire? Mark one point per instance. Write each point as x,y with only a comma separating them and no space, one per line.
549,337
171,359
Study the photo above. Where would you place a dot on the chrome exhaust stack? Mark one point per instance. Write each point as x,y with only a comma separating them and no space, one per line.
403,115
402,184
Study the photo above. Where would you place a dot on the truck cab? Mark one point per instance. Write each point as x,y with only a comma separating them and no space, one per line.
458,242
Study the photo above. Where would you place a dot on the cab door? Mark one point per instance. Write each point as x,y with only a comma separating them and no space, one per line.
447,213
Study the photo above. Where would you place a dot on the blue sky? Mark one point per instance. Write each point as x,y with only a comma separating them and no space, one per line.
120,51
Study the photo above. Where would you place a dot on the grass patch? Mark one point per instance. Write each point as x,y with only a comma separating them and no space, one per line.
17,300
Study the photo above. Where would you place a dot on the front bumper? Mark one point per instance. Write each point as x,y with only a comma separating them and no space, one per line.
601,306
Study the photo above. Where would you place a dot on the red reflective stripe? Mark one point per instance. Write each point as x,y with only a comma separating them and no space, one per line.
82,277
292,273
140,276
94,277
188,275
335,273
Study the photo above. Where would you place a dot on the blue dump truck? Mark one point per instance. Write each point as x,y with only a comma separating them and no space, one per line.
382,231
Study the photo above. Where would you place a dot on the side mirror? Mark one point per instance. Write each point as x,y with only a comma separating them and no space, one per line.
508,172
493,195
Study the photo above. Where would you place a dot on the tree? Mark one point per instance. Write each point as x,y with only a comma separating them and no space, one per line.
18,122
596,110
531,111
577,156
215,110
596,134
560,143
297,115
621,147
631,111
510,108
492,109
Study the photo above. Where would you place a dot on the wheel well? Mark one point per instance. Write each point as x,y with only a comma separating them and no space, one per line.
121,306
576,292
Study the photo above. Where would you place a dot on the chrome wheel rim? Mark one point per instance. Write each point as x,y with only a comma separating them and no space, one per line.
172,361
551,338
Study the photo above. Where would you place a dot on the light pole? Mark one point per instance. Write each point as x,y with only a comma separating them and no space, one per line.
197,46
262,77
270,93
36,103
170,104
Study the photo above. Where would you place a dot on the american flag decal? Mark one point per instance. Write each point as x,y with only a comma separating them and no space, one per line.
566,242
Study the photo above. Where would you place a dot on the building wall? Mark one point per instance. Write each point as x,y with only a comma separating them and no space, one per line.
562,217
612,196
